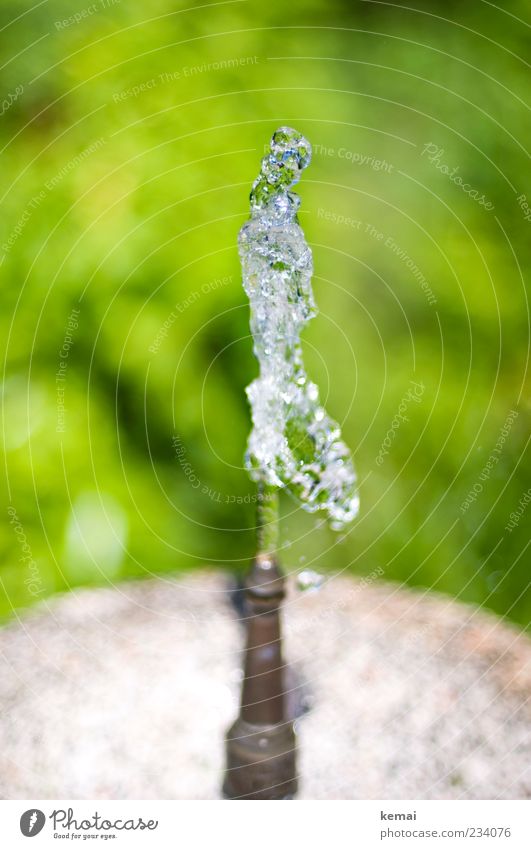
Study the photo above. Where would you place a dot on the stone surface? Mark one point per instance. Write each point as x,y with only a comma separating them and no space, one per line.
126,693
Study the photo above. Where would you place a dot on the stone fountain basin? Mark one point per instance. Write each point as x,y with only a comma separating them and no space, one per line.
126,693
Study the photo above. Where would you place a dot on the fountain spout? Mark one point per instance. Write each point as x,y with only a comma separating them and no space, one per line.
295,445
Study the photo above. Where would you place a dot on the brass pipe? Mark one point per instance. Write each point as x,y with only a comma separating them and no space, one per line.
260,745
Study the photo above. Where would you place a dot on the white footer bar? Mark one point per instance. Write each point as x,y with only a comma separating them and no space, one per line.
267,825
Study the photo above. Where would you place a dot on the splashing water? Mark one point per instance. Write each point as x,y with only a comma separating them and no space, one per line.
293,443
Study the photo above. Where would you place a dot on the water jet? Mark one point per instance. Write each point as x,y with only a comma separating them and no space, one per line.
294,445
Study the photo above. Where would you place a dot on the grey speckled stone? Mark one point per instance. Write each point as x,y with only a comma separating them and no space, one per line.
126,693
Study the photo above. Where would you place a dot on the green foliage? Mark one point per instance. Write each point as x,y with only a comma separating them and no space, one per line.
127,161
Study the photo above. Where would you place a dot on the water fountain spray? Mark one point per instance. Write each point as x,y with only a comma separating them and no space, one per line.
294,445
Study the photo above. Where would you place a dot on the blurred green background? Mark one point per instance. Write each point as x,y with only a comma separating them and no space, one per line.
130,138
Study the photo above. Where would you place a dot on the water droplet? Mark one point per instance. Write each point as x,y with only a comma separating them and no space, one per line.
309,580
